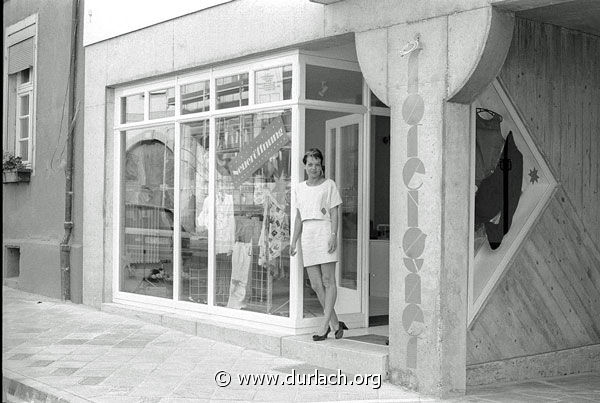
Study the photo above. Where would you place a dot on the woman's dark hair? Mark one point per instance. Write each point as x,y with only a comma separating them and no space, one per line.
316,154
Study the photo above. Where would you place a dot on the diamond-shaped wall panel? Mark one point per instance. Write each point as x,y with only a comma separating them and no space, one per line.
511,186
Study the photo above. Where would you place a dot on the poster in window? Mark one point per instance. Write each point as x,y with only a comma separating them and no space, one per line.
269,85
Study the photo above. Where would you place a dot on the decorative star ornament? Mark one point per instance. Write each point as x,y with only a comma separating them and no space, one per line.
533,175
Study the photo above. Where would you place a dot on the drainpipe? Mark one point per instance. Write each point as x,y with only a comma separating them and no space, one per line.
65,247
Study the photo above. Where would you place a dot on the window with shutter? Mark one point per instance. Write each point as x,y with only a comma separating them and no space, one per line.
20,42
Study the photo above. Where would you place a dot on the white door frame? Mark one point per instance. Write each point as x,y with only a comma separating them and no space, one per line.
351,303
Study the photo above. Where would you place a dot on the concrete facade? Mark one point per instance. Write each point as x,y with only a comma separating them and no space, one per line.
427,63
33,213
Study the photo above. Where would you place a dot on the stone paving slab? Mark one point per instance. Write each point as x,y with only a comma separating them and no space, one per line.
63,352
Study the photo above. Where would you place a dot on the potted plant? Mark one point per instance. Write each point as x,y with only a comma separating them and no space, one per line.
13,169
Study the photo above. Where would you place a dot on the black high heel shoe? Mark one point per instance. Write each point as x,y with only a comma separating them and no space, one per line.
340,332
318,337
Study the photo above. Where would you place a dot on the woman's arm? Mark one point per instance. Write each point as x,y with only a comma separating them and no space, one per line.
297,232
333,213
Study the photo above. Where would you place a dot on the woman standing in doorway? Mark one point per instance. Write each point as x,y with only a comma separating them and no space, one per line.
316,222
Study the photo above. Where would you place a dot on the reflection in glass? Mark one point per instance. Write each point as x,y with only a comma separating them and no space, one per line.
274,84
347,181
232,91
25,76
162,103
132,108
333,85
147,206
194,224
24,149
24,127
252,214
24,110
195,97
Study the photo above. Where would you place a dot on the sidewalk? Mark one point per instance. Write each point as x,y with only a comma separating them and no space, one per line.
62,352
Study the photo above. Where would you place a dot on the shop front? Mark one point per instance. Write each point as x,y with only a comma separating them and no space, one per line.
206,165
195,132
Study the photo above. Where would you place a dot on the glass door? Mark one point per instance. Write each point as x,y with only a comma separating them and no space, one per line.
343,159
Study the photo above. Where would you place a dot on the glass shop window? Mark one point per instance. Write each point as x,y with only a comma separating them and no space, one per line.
195,97
193,196
333,85
147,204
162,103
512,183
273,84
252,212
232,91
132,108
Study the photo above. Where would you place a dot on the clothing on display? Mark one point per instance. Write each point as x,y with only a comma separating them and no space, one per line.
241,260
488,144
498,195
248,229
224,221
275,235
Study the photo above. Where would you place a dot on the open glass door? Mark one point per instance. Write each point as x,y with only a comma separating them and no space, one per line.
343,159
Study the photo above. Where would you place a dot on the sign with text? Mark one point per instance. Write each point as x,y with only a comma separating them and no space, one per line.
269,85
258,151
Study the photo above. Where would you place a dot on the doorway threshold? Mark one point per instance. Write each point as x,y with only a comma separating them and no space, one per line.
348,355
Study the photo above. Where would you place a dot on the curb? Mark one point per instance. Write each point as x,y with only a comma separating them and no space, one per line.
16,388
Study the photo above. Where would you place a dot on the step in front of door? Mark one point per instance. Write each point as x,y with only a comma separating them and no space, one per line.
349,356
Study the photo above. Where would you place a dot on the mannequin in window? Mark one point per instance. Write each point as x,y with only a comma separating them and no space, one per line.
498,179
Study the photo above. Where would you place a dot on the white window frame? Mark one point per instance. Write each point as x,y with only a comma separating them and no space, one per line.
12,36
294,323
22,91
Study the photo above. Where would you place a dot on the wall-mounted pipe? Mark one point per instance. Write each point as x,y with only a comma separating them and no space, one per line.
65,247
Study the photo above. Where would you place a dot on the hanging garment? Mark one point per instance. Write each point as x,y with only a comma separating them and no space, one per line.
241,260
488,145
498,195
224,221
275,235
247,230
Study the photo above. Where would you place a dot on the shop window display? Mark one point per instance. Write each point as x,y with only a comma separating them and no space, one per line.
148,217
194,188
511,184
252,212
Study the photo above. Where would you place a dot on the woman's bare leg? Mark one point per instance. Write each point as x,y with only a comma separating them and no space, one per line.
316,282
328,278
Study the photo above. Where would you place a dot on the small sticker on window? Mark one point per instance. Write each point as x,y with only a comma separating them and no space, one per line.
324,211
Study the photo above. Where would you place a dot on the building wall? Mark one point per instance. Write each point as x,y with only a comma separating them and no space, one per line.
549,298
33,213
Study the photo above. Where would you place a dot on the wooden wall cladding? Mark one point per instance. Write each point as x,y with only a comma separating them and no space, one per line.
553,75
549,298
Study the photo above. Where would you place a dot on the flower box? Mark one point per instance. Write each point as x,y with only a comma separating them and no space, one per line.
16,175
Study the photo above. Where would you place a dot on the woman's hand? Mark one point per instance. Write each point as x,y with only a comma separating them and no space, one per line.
292,250
332,243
